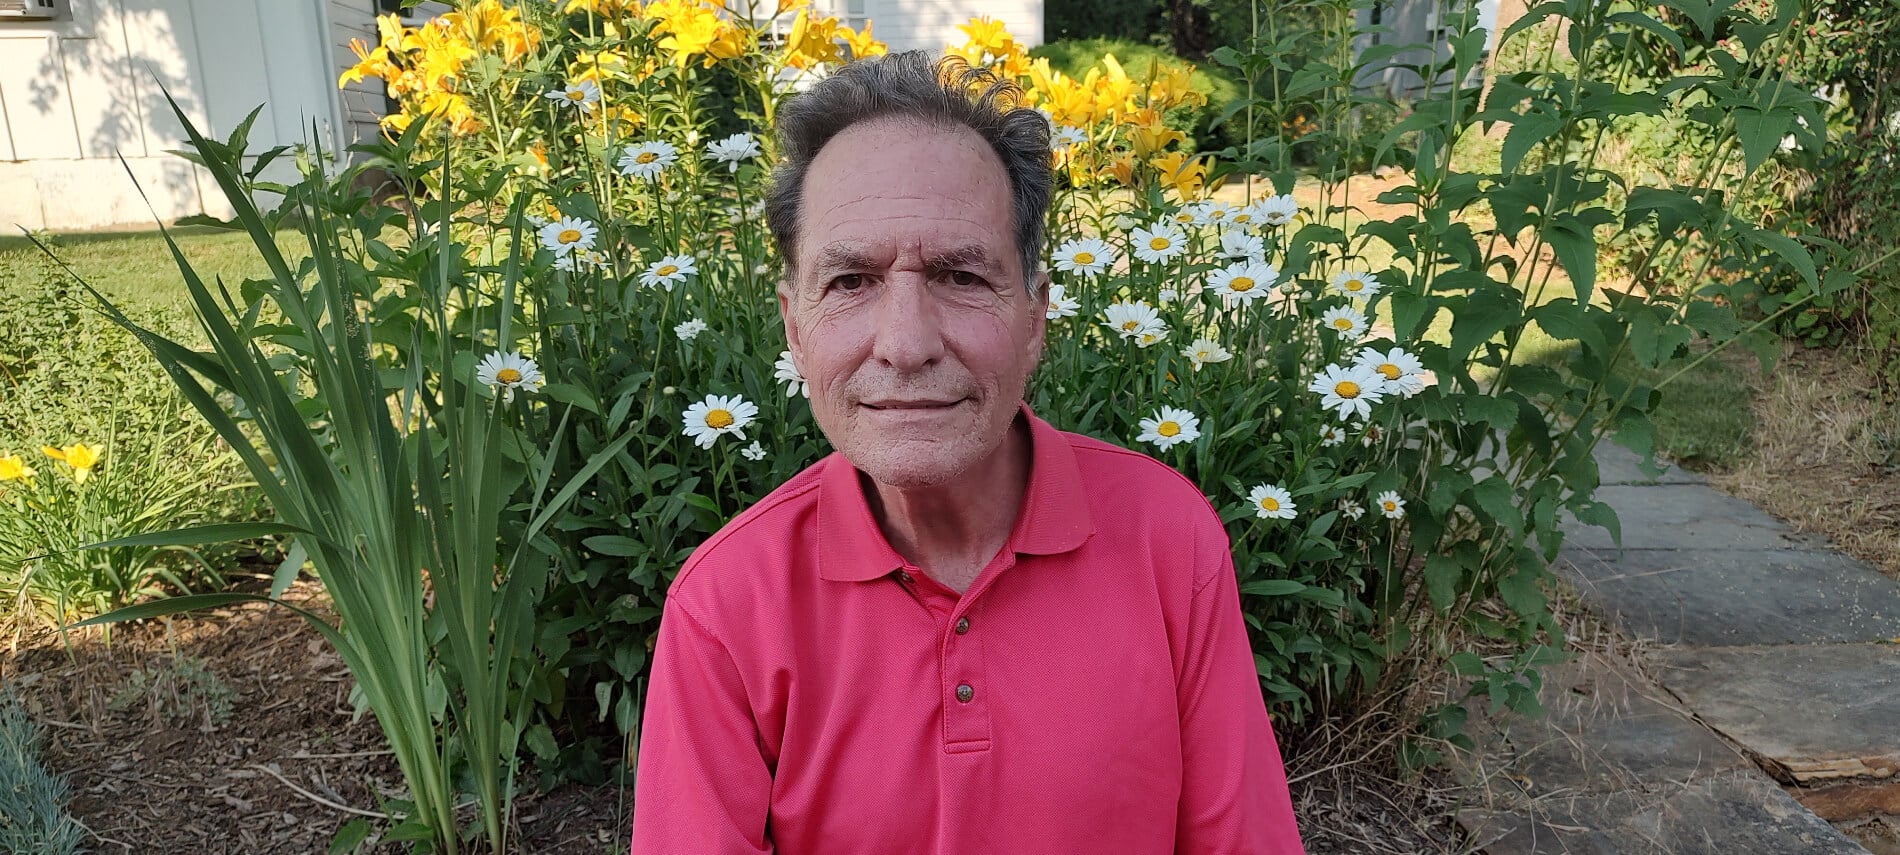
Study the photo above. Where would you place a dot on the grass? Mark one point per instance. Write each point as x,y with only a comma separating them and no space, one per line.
1703,420
134,269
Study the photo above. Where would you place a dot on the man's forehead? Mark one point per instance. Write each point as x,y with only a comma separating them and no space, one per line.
862,251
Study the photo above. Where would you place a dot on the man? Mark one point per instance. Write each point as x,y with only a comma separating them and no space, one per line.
965,631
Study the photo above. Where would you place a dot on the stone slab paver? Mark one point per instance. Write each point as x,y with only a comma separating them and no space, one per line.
1813,712
1617,465
1685,516
1613,768
1726,597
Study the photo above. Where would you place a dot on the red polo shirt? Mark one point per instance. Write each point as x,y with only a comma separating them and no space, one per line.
1092,692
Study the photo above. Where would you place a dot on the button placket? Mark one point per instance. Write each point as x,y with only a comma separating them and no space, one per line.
966,714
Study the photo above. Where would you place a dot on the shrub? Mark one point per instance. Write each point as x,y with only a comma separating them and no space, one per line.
33,818
1145,62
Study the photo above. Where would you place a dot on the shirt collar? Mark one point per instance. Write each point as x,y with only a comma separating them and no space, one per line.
1054,518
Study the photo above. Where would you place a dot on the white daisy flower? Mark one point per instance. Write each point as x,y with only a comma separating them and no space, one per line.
1357,284
1351,510
1151,334
785,371
1390,505
1370,435
1349,322
647,160
755,451
688,330
1167,295
1129,319
580,261
669,271
1170,427
568,234
1402,371
1061,305
1204,351
1276,210
1186,216
581,96
1272,502
1244,282
1067,137
1331,435
707,420
1158,244
733,149
1350,390
1213,212
1237,243
506,372
1086,256
1123,222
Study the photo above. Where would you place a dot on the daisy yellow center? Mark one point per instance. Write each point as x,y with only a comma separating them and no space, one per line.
1355,285
1159,243
1240,283
1216,215
1342,324
576,94
1390,371
1243,218
1390,506
667,269
719,419
1269,503
1130,326
568,235
1085,258
646,157
1184,217
1168,429
1346,389
508,375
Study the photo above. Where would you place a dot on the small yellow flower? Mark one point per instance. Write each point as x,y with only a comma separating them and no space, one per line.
81,457
13,468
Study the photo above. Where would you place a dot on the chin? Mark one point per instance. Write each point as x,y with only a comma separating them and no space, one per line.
916,465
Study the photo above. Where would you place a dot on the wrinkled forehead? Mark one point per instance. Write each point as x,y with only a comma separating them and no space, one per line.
883,184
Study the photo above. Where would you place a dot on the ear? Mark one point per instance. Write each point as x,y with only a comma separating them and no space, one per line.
1039,318
790,318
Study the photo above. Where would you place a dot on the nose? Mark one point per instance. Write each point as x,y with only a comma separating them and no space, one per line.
909,325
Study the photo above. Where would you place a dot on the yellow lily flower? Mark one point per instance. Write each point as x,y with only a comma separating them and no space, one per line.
80,456
861,44
13,468
1185,175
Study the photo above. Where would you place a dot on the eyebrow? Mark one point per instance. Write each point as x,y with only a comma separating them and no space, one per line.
970,255
843,257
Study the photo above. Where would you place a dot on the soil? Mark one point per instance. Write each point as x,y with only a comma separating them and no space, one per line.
280,773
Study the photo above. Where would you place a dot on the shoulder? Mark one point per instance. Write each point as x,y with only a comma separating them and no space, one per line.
1140,483
754,550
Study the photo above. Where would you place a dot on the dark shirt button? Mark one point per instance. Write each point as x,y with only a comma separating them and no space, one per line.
965,693
903,576
963,625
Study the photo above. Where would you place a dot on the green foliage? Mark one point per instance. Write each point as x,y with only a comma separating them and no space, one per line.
1145,62
70,376
1131,20
33,817
1702,419
181,692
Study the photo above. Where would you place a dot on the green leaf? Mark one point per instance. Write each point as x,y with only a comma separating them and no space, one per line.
350,836
196,535
614,544
1760,133
1272,587
1790,251
1443,575
1576,247
1526,132
568,393
171,606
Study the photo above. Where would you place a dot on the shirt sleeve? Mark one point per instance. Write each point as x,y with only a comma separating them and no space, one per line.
1234,796
701,783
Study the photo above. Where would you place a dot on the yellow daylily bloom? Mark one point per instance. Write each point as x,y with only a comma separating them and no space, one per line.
1123,169
81,457
862,44
1173,86
813,41
1149,133
1181,173
12,468
988,35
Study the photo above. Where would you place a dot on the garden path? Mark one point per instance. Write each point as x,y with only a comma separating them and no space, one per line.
1756,697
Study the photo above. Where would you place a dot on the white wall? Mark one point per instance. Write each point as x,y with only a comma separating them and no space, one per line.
932,24
79,93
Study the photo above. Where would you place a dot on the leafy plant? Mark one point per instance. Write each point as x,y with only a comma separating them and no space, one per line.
181,691
33,817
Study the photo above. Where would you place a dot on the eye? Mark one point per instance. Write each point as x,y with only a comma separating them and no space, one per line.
965,279
848,282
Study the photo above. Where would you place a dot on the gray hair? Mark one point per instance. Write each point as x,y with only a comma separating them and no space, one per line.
948,93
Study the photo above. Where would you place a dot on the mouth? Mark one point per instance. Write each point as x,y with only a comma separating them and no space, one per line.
901,404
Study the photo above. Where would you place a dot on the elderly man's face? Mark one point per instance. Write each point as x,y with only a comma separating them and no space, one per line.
907,311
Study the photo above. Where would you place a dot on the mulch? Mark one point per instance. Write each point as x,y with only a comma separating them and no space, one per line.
281,773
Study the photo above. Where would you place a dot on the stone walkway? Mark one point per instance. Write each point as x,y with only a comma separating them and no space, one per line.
1763,703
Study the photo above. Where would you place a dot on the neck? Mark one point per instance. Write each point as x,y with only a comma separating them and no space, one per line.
952,530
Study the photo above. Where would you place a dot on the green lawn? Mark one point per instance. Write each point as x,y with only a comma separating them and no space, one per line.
134,269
